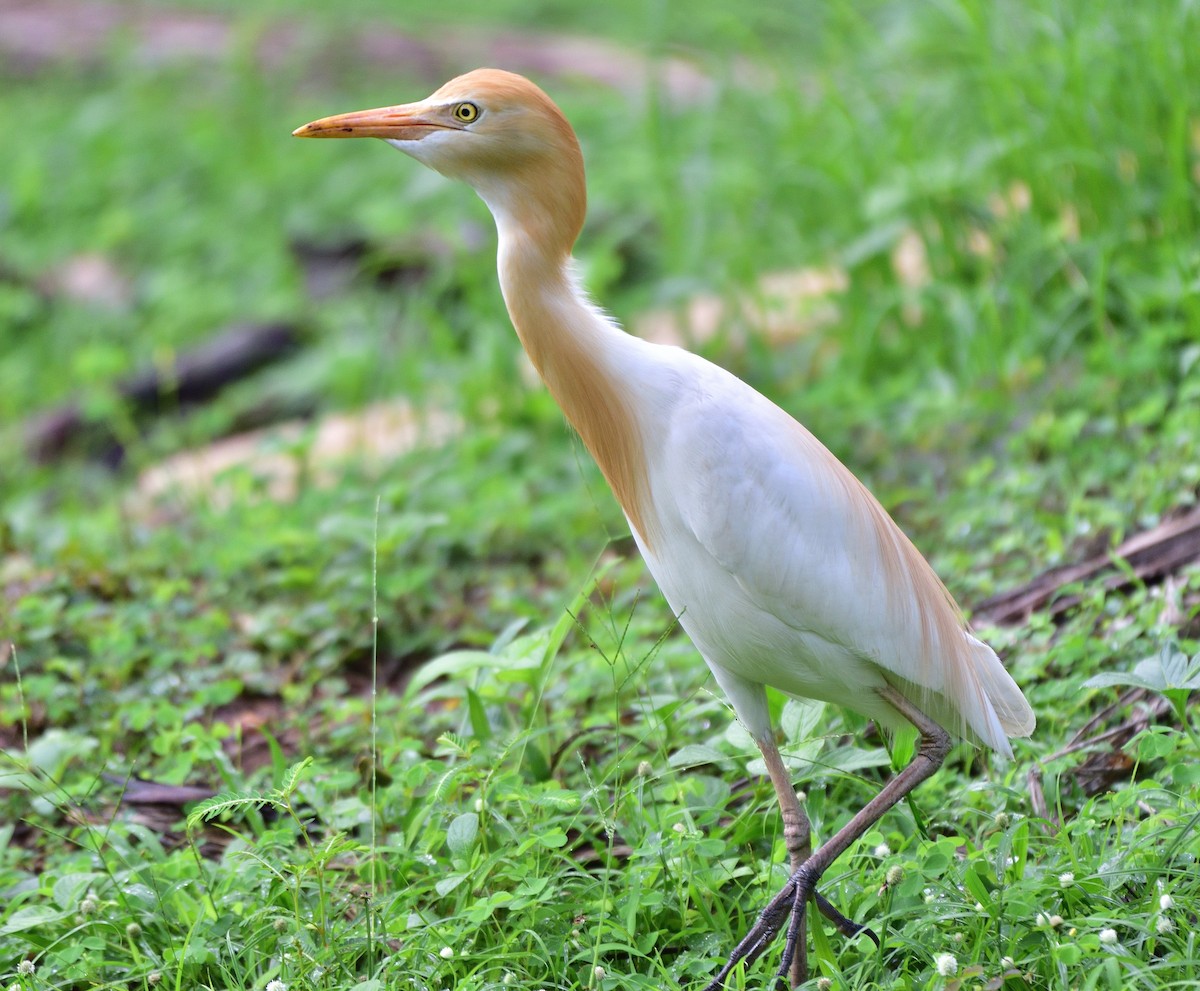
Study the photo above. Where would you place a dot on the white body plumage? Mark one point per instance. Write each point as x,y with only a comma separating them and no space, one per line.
782,568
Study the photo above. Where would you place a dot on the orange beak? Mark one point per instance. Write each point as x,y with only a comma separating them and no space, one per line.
408,122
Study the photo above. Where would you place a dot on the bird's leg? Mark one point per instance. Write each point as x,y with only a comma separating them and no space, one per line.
795,822
796,837
935,744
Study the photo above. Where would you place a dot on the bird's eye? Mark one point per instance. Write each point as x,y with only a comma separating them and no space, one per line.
466,112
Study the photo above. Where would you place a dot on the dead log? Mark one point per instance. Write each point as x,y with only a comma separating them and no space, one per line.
196,376
1144,557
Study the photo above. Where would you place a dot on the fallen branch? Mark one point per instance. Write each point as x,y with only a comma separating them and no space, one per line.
196,375
1144,557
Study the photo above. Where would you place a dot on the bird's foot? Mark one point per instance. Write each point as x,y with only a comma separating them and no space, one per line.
791,902
847,927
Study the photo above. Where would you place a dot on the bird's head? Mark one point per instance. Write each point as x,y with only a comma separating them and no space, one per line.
496,131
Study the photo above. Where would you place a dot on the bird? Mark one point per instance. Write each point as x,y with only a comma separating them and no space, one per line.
779,564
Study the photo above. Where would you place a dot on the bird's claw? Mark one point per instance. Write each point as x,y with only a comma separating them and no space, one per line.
847,927
790,901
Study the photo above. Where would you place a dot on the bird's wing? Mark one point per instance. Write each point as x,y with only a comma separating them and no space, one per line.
808,544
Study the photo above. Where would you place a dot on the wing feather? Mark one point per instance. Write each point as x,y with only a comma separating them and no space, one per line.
811,546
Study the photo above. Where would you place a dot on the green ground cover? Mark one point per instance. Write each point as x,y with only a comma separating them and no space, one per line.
572,805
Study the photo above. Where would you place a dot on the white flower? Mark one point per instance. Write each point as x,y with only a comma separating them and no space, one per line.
645,769
26,968
446,952
824,984
1165,902
946,964
895,874
679,828
1108,936
883,850
276,985
599,972
1066,879
1164,925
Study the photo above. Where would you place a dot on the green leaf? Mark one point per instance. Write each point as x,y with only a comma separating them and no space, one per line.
553,838
32,917
978,887
855,758
52,751
1185,775
801,719
1162,672
292,778
1114,679
212,807
1174,664
69,889
1156,743
697,755
479,720
460,837
453,664
551,795
448,884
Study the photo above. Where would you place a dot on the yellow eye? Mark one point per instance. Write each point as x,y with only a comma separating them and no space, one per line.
466,112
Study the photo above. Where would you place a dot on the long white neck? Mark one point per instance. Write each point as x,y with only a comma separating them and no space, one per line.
578,352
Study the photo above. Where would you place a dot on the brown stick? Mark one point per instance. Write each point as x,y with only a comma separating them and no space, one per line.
1160,551
196,375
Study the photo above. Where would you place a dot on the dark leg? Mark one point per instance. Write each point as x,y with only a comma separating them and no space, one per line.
792,899
796,836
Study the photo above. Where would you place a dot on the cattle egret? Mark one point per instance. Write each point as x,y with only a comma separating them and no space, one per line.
780,565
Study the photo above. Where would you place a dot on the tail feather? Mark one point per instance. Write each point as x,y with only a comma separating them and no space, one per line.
1001,696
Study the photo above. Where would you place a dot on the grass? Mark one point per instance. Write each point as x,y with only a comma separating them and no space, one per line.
545,790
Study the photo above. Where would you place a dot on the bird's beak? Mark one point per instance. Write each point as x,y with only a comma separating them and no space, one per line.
409,122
